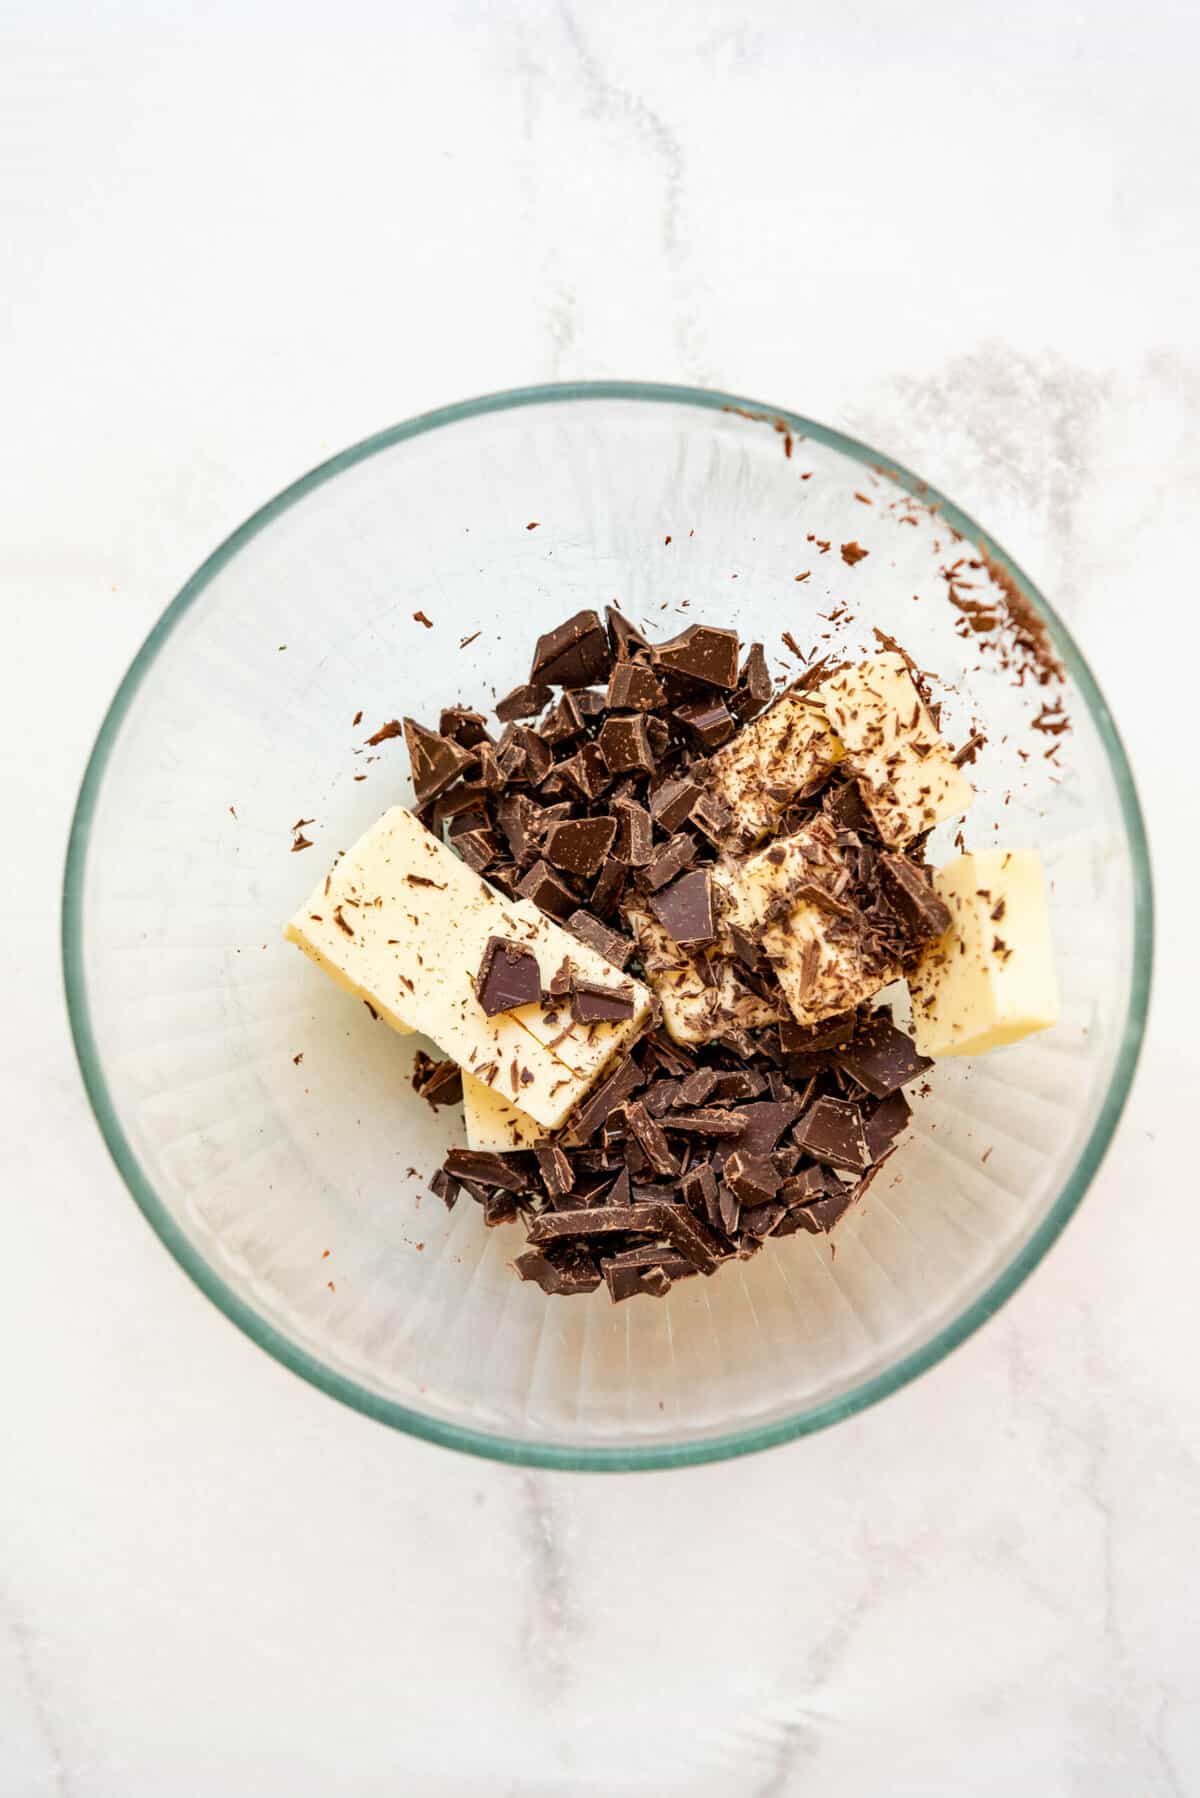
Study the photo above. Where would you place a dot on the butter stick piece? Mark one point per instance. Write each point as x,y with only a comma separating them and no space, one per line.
990,980
403,923
906,772
786,752
818,952
700,995
493,1122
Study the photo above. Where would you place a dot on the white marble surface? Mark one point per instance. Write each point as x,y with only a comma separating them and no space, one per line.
235,239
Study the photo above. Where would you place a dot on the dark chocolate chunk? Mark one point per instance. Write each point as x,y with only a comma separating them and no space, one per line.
594,1004
599,1105
648,1270
698,1087
763,1124
699,1189
595,1220
555,1169
561,979
671,804
712,816
610,885
737,1084
754,688
575,655
435,761
437,1082
820,1217
589,703
464,726
659,734
586,771
843,804
831,1131
547,891
446,1188
911,896
523,702
808,1184
635,833
754,1179
579,845
537,759
729,1209
633,688
627,641
650,1138
709,720
702,653
887,1121
563,722
811,1039
625,744
685,909
478,848
669,861
611,944
516,814
706,1121
564,1275
762,1220
499,1208
882,1058
483,1168
508,976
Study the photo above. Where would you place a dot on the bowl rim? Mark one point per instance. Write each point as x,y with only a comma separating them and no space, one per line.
626,1457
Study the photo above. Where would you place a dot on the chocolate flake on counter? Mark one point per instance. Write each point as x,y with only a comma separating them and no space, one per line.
464,641
576,654
685,910
525,701
508,976
852,553
963,757
385,733
420,618
301,842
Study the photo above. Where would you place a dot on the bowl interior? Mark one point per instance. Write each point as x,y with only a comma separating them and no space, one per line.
266,1123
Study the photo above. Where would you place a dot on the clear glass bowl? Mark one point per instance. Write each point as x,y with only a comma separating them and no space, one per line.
266,1125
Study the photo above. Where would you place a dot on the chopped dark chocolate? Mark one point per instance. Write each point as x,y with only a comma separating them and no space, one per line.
820,1217
543,886
586,771
831,1131
698,1087
910,894
523,702
478,848
579,845
762,1220
625,745
712,816
446,1188
435,760
671,803
702,653
466,727
577,654
633,688
669,861
609,887
625,638
881,1058
486,1169
595,1004
595,1220
752,1178
508,976
685,909
563,722
597,1107
887,1121
709,720
706,1121
564,1275
650,1138
635,833
754,688
611,944
555,1169
648,1270
437,1082
764,1123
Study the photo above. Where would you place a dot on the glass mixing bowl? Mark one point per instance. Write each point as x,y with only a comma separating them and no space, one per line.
266,1126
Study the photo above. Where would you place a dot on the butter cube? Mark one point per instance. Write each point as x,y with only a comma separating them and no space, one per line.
906,772
786,752
493,1123
701,996
403,923
990,980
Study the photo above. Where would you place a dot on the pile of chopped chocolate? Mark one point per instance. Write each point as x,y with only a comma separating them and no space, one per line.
729,1121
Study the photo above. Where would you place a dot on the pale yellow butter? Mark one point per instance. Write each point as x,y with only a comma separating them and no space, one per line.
403,923
906,772
786,752
493,1122
990,980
